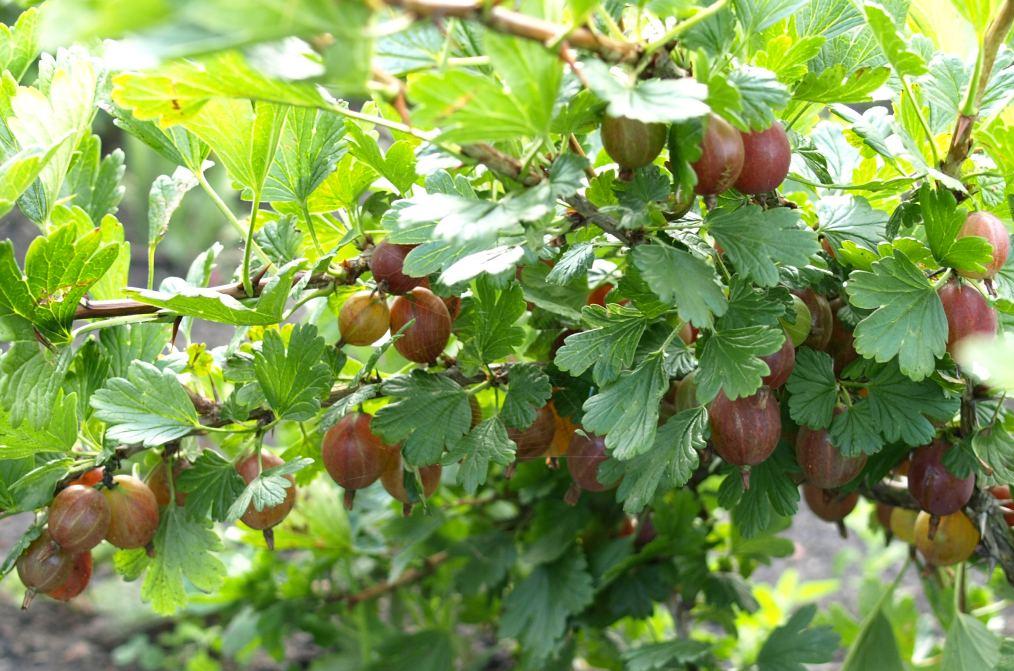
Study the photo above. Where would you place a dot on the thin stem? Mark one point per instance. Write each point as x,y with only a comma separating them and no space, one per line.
971,103
614,28
721,266
227,213
996,410
319,293
686,25
942,279
960,605
922,119
961,137
151,267
248,248
386,123
868,620
802,110
309,226
170,477
479,387
114,321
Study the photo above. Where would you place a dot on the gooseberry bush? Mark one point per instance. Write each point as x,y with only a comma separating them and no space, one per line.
541,319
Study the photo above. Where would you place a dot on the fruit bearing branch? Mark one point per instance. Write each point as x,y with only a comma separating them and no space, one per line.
505,20
88,309
983,509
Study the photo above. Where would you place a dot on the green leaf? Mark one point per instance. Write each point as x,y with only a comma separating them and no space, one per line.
669,464
30,378
244,136
850,218
293,377
165,196
529,389
201,303
486,443
487,323
124,344
787,57
837,85
565,300
308,151
431,414
531,72
470,107
969,645
179,90
59,270
875,647
756,15
149,406
95,182
674,654
760,94
212,485
750,306
398,166
794,645
112,283
683,280
908,319
730,361
280,240
462,218
625,411
995,446
609,345
855,431
427,650
58,434
943,221
572,264
650,101
183,554
19,44
772,493
489,557
176,144
56,120
895,409
19,171
758,241
905,61
812,388
537,609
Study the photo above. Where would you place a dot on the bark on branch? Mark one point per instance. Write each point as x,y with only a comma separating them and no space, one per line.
410,576
507,21
961,139
983,509
89,309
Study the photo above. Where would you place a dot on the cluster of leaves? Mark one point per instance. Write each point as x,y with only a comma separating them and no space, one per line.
500,185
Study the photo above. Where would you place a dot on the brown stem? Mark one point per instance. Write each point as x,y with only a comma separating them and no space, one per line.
410,576
961,139
499,162
586,212
983,509
89,309
507,21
